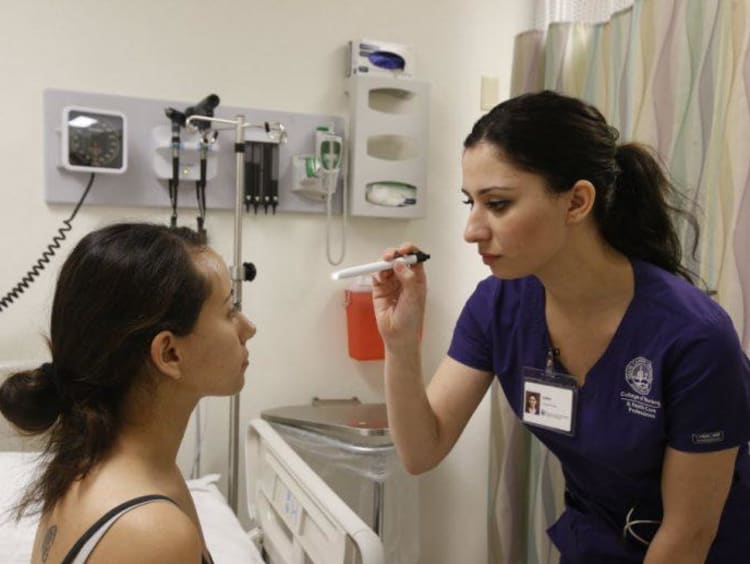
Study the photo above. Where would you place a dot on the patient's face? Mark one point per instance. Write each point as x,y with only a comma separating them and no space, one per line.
215,353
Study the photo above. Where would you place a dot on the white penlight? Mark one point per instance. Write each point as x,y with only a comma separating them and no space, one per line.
372,267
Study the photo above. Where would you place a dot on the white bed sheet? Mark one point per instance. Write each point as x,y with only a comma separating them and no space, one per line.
16,539
227,541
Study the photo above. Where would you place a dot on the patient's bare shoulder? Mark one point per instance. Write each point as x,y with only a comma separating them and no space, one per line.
155,532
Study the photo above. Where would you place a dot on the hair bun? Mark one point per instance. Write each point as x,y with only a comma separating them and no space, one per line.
30,400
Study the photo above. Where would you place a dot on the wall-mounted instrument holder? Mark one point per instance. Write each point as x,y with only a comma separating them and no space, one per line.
145,183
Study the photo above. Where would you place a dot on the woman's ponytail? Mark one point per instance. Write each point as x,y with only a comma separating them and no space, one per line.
638,220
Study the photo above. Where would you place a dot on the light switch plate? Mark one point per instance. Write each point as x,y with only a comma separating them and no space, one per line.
489,92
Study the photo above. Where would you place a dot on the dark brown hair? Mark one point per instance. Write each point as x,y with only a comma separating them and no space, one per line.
565,140
120,286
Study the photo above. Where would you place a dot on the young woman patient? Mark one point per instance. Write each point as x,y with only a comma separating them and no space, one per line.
143,325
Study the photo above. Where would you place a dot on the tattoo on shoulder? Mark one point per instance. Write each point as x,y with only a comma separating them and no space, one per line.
49,538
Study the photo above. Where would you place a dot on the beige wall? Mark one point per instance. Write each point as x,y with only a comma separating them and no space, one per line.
275,54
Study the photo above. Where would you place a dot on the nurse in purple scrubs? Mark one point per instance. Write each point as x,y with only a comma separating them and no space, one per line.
642,384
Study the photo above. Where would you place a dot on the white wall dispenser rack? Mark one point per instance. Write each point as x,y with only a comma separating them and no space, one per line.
389,141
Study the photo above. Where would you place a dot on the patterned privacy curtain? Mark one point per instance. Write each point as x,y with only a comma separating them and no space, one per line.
674,74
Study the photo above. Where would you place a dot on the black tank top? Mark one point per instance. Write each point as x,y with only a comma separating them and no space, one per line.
83,547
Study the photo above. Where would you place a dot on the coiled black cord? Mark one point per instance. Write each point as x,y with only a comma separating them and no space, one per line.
36,270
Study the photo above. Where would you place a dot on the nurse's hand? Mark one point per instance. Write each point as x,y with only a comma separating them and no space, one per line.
398,298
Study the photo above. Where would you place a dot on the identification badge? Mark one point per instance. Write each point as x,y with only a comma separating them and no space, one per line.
549,400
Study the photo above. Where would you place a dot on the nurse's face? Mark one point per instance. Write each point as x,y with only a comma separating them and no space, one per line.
216,356
517,224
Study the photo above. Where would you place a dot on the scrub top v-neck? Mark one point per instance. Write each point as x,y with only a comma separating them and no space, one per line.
673,374
539,314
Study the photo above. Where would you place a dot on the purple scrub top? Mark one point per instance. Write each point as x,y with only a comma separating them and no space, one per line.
673,375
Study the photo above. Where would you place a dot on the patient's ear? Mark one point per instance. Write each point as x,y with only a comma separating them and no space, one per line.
165,354
581,199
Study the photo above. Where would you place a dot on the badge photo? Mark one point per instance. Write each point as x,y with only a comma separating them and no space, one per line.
549,400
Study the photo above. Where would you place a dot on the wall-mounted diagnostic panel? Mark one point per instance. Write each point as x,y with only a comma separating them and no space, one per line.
131,138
